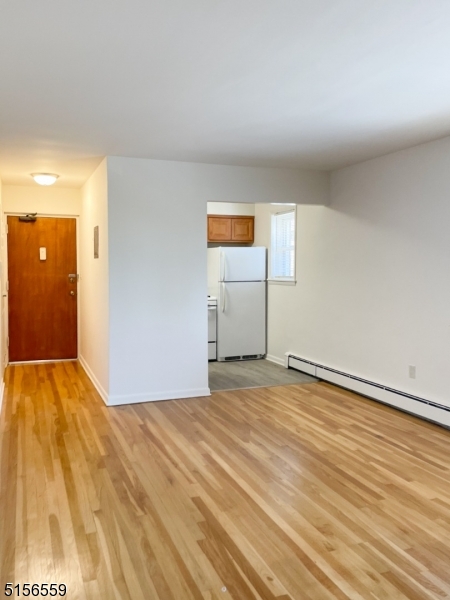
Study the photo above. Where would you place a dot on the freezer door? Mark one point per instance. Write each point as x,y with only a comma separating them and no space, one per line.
241,319
243,264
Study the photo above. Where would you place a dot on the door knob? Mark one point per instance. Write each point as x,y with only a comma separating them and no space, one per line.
72,293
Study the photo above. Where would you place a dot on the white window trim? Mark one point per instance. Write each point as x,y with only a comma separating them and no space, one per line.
280,281
283,280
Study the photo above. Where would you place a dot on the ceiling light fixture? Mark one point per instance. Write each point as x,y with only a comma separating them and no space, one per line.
44,178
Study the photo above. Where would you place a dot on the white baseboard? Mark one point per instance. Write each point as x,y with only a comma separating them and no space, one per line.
155,396
420,407
276,360
118,400
95,381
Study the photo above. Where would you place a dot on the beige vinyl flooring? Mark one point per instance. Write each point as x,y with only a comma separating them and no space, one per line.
236,375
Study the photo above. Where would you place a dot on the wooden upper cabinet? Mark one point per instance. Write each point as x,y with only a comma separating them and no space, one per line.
219,229
230,228
242,229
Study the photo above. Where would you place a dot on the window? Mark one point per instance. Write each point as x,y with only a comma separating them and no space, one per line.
283,245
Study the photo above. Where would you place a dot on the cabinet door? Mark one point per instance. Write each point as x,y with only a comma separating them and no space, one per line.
242,229
219,229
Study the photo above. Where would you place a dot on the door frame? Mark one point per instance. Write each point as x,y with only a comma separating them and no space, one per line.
7,214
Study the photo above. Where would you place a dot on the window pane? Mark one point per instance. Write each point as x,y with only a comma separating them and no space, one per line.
283,244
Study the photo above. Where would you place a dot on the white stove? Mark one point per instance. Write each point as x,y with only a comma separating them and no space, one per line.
212,328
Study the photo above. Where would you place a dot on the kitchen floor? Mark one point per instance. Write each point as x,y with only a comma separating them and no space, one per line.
236,375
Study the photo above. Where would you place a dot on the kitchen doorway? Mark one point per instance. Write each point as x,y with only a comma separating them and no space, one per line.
42,293
238,296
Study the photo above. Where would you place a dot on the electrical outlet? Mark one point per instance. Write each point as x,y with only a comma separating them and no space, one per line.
412,371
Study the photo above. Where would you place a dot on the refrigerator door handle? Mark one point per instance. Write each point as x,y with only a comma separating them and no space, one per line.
223,297
222,266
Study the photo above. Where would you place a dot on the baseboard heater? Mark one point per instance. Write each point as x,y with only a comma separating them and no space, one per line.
420,407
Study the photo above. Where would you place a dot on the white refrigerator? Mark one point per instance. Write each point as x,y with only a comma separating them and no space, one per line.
238,278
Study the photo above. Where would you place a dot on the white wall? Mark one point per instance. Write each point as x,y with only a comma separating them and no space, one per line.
94,281
230,208
220,183
157,262
158,291
373,287
41,199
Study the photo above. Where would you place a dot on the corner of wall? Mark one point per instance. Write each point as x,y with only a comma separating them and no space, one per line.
98,386
94,281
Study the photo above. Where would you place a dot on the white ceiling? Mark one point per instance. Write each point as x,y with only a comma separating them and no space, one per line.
297,83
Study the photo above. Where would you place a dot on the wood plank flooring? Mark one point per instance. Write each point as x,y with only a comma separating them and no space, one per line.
302,492
242,374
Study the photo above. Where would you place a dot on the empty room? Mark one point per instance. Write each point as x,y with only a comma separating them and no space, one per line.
225,292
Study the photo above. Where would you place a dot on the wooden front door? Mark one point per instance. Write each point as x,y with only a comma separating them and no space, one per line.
42,299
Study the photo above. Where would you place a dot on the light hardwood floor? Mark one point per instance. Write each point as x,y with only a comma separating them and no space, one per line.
304,492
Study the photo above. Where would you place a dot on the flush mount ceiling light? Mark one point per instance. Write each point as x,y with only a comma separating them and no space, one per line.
44,178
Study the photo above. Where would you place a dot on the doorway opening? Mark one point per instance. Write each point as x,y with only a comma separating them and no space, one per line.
239,250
